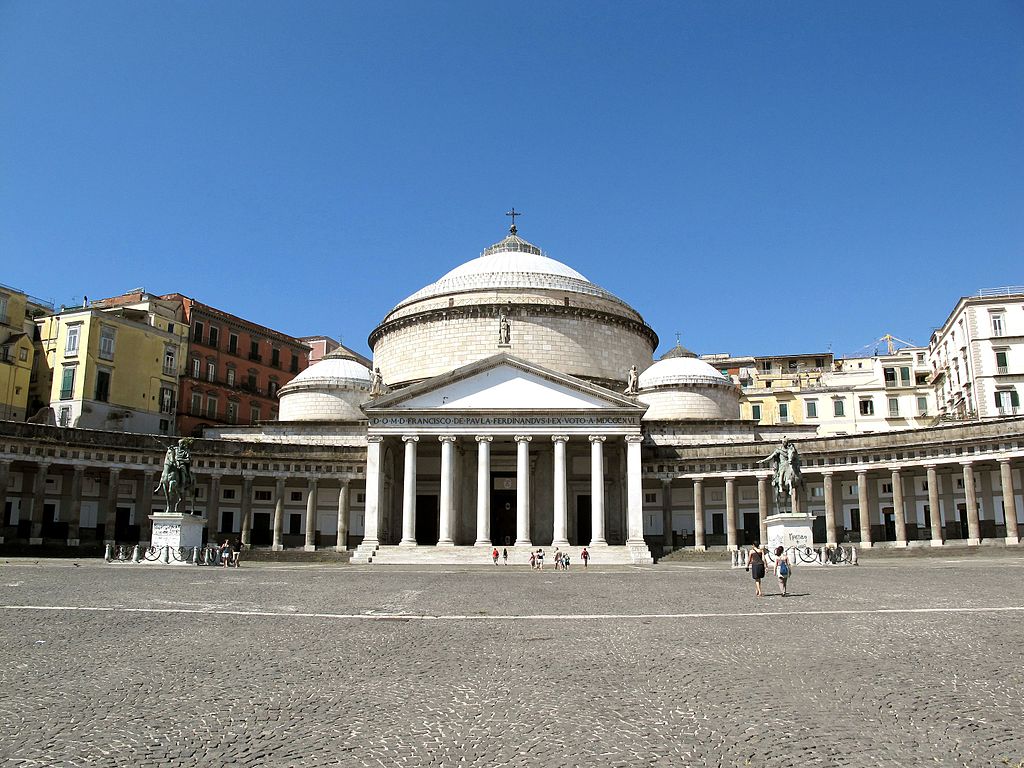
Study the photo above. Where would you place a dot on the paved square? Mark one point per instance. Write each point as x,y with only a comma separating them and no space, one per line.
891,663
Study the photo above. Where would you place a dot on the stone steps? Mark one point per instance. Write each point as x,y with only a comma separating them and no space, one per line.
472,555
295,556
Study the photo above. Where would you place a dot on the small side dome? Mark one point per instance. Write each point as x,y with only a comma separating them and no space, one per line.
681,386
330,390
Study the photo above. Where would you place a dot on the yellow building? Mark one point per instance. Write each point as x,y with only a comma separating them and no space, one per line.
113,366
17,327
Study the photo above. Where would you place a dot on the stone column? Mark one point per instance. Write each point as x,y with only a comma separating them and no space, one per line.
523,491
1009,501
246,511
666,514
699,542
560,536
38,499
342,544
145,507
483,490
973,524
934,510
597,537
110,507
312,499
634,491
830,509
371,519
279,514
447,491
762,507
213,510
865,512
5,481
409,493
732,540
75,513
898,509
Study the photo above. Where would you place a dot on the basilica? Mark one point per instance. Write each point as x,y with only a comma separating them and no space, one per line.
513,403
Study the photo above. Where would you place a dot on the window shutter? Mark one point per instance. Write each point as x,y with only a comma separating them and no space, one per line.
1014,398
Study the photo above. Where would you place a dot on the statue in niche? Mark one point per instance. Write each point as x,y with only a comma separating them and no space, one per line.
632,381
785,463
504,331
376,383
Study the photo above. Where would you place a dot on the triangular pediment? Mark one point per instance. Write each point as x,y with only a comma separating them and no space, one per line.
503,383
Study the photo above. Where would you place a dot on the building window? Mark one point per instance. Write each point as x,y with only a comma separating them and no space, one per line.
64,417
67,382
170,361
211,371
894,407
197,404
867,407
233,343
211,407
812,409
997,325
253,382
1007,402
819,362
214,336
783,413
275,358
71,342
650,498
839,407
272,388
296,495
1001,362
890,376
886,489
766,366
905,376
232,412
166,400
254,414
254,351
262,495
196,367
755,412
231,376
107,335
197,332
295,363
165,426
228,494
103,385
922,406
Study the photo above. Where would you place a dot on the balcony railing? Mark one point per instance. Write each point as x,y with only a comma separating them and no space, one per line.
1002,369
1008,410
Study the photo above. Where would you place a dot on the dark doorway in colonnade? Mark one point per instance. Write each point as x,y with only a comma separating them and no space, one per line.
818,528
503,509
962,511
751,528
428,520
584,521
889,518
262,534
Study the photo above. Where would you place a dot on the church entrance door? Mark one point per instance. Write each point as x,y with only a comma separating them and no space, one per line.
428,520
584,521
503,509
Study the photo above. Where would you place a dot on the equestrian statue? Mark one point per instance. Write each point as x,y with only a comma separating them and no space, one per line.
177,481
785,463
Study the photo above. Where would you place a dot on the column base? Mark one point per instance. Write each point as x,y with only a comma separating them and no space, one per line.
900,545
340,548
973,542
864,544
407,543
309,547
700,548
731,548
277,548
483,543
446,543
1009,540
936,542
523,543
597,543
560,543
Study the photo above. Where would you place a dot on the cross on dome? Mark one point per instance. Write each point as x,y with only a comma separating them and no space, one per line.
513,213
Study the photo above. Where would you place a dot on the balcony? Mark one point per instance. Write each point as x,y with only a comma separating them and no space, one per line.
1008,410
170,370
1002,370
256,357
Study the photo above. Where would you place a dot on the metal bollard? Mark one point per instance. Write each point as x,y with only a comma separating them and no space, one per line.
137,554
853,555
195,555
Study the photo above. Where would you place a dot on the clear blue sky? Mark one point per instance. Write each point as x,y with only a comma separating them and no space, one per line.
761,177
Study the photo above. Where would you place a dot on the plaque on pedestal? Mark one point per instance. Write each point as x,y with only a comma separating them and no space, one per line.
790,530
174,531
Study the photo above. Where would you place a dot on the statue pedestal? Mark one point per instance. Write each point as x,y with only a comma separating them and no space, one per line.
173,531
790,530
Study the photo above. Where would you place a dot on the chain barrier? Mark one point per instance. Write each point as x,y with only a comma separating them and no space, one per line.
138,553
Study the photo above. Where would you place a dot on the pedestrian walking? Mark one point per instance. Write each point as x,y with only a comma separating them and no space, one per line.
755,564
236,556
504,555
533,560
585,557
565,562
225,553
494,555
558,559
540,559
783,569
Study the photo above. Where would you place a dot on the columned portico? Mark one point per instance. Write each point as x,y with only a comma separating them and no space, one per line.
634,491
830,509
561,523
523,491
898,509
699,539
447,501
864,508
732,542
597,490
483,490
1009,501
934,510
973,524
409,492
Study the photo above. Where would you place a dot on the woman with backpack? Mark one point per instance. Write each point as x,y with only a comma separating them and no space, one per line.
782,568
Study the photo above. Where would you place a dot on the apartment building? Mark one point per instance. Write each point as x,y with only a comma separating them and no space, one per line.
18,311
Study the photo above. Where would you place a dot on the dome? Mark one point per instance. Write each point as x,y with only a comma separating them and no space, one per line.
329,390
681,370
334,369
512,263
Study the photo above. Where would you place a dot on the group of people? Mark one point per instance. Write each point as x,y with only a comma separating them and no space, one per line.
230,553
504,555
756,566
562,559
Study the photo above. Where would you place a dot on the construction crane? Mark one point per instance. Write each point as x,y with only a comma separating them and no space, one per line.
892,343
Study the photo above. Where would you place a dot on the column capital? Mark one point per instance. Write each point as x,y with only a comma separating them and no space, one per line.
280,481
1004,460
560,438
113,470
894,470
634,438
344,482
597,438
375,438
730,478
763,477
827,472
523,438
930,467
666,481
313,480
699,480
967,463
861,472
484,438
447,438
410,438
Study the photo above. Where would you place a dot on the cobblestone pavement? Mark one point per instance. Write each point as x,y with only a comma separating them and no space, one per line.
891,663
